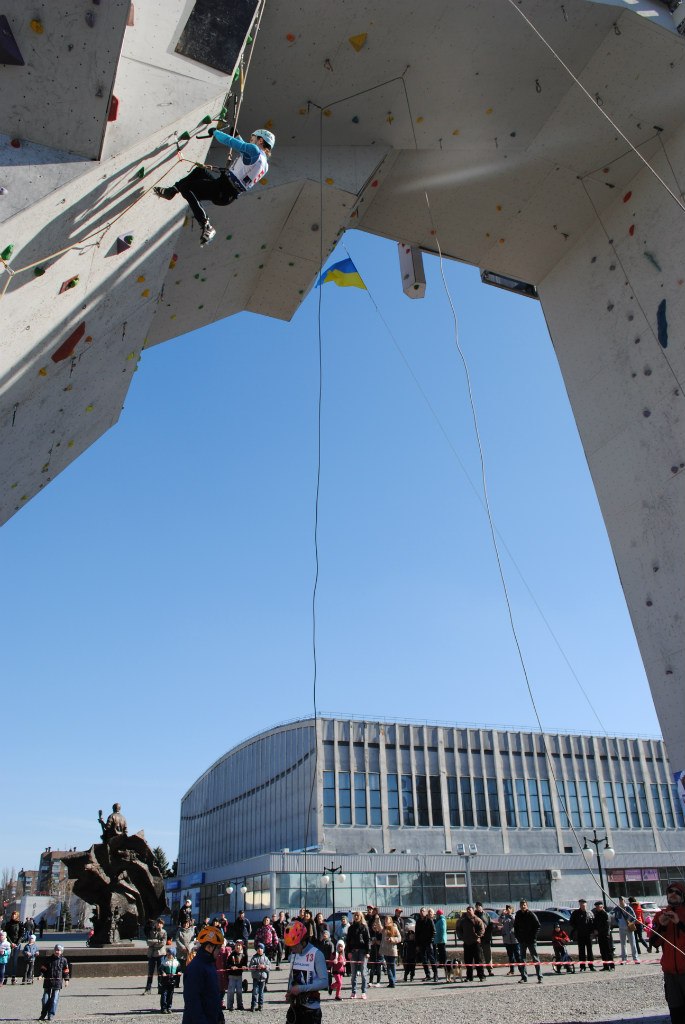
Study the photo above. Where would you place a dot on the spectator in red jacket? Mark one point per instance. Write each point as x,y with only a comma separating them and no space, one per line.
668,931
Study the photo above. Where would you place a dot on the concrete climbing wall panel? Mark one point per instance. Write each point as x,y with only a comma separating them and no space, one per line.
71,54
76,310
616,307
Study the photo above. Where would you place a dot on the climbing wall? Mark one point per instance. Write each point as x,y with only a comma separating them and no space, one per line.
86,269
70,54
616,308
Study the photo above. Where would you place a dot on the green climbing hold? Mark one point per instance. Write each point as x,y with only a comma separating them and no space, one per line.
250,40
197,277
229,237
206,119
6,253
237,255
38,271
236,75
184,137
264,247
222,114
141,173
261,266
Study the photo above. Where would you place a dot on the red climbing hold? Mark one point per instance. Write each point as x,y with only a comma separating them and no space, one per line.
67,347
631,230
113,112
16,143
374,183
290,37
627,197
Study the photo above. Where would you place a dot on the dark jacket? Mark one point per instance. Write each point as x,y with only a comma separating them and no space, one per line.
469,929
54,970
602,923
582,923
425,931
240,929
13,930
235,962
201,991
357,938
487,924
526,926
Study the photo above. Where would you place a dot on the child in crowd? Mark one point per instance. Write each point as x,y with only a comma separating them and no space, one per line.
168,977
29,954
338,969
55,973
236,963
5,950
560,941
259,968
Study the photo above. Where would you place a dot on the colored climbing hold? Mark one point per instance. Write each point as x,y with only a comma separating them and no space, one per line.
263,246
184,137
124,242
302,111
327,113
113,112
66,349
172,261
237,255
37,26
499,207
90,19
489,110
290,37
70,444
269,124
260,267
71,282
15,143
229,237
374,183
357,42
631,230
43,372
140,173
6,253
38,271
456,131
627,197
140,278
222,114
329,181
3,190
145,294
355,119
389,117
89,408
173,316
207,119
130,356
250,40
419,120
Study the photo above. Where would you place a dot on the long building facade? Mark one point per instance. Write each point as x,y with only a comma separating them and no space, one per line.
418,813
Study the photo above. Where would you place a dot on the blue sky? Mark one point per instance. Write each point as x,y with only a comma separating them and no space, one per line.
157,595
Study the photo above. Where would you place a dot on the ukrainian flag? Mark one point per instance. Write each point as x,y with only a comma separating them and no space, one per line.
344,274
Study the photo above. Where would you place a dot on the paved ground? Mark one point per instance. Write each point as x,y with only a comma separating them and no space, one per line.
629,993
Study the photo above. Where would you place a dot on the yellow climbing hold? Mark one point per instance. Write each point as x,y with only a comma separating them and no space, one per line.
14,485
70,444
357,42
37,26
499,207
140,279
489,110
89,408
24,497
145,293
130,356
419,120
302,111
43,372
173,316
329,181
328,113
456,131
389,117
269,124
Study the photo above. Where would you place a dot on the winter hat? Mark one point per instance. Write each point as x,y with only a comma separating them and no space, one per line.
680,886
440,912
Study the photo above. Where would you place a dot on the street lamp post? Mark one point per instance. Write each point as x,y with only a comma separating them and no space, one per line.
233,888
328,878
467,855
608,852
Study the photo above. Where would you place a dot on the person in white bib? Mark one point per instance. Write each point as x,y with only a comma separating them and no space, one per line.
308,976
223,187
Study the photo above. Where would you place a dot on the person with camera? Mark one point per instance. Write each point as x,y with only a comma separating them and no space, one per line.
668,931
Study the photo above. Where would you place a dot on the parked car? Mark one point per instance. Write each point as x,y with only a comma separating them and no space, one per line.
547,919
564,911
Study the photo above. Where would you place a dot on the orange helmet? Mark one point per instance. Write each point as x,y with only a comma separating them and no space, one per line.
210,933
295,933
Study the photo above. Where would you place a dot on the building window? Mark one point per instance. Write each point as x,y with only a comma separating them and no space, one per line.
666,801
596,804
547,811
393,801
481,807
534,801
360,816
493,801
436,800
509,806
375,798
563,804
388,881
453,801
573,805
344,798
422,800
407,801
632,805
656,800
329,816
585,804
644,809
621,804
611,805
522,804
455,879
466,800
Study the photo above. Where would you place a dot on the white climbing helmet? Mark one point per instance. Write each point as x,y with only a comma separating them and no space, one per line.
269,137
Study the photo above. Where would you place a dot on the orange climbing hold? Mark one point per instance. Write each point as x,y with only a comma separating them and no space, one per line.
37,26
290,37
357,42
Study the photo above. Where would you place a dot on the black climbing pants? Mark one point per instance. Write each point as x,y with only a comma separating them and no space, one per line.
202,184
